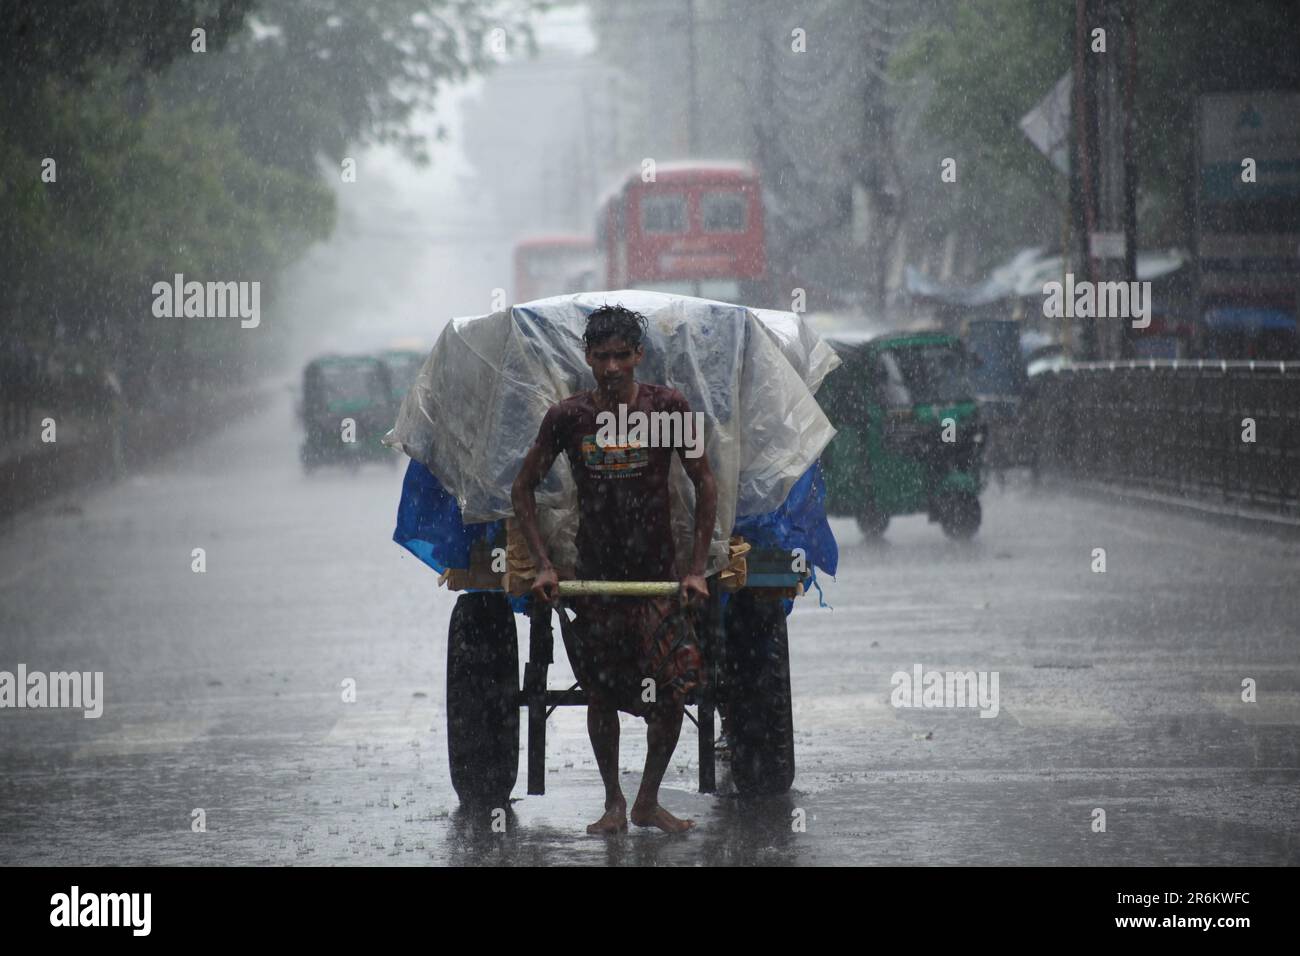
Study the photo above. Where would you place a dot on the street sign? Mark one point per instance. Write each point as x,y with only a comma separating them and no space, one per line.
1048,124
1248,198
1261,127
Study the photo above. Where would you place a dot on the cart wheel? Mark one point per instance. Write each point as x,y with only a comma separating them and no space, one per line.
960,516
872,523
760,722
482,699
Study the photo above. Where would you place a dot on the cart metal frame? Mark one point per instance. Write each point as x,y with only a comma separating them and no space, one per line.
540,701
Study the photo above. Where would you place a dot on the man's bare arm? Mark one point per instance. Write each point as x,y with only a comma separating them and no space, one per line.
537,464
706,514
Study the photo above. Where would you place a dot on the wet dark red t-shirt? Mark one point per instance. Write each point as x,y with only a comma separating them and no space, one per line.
624,516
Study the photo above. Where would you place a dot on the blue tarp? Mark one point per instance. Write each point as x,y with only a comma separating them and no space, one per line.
429,523
800,522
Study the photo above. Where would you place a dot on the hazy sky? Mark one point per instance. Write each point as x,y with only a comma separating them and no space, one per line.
414,247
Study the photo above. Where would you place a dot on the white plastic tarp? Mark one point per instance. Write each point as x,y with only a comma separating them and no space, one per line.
477,403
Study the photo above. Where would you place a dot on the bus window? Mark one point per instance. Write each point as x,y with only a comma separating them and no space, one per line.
663,214
723,212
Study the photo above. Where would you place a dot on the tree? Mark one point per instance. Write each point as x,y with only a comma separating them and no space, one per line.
986,64
75,41
204,162
976,69
312,78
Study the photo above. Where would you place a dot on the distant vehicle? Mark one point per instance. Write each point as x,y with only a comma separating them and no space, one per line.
1000,375
545,265
999,379
347,406
910,434
696,230
403,366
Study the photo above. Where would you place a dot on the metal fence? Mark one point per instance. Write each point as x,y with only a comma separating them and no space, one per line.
1176,427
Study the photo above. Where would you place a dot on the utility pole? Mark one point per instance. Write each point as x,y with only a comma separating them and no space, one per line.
1110,129
1106,77
692,105
1130,161
876,126
1082,170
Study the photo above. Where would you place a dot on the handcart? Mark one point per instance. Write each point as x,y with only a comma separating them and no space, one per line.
466,423
741,632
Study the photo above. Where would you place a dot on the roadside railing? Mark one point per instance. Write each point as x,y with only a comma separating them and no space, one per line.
1216,430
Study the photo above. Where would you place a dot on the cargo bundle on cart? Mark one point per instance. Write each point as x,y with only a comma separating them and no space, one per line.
467,423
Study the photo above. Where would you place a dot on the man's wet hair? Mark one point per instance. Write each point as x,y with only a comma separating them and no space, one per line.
614,322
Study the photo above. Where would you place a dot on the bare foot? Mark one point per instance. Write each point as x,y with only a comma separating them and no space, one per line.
613,821
657,816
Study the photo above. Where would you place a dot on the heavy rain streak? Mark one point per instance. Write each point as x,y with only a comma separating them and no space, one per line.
649,432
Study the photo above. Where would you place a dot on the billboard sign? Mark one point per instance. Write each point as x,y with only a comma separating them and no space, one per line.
1248,197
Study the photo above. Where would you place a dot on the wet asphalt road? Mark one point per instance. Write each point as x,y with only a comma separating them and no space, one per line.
1118,690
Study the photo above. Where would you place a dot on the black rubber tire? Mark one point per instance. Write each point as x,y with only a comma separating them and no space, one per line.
872,523
483,699
960,516
760,722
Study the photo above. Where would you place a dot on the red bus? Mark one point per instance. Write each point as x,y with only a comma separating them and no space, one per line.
548,265
696,230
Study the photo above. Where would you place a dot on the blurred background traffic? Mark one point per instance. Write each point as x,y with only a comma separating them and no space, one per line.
874,164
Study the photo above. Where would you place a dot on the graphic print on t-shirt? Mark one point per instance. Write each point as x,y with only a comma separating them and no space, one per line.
613,461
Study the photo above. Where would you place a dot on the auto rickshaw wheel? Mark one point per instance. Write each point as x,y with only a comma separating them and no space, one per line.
872,522
960,516
482,699
760,723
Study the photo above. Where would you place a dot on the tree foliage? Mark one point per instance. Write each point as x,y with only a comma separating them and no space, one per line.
74,39
985,64
972,73
308,78
172,160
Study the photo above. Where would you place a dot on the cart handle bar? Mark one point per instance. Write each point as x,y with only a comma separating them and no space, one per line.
621,588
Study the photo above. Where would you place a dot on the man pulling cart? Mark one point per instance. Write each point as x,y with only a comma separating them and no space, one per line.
631,654
637,541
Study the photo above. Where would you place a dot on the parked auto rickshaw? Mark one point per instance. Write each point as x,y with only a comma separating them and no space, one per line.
347,406
910,433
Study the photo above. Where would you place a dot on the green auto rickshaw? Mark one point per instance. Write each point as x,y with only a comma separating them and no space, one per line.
910,434
347,406
403,367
